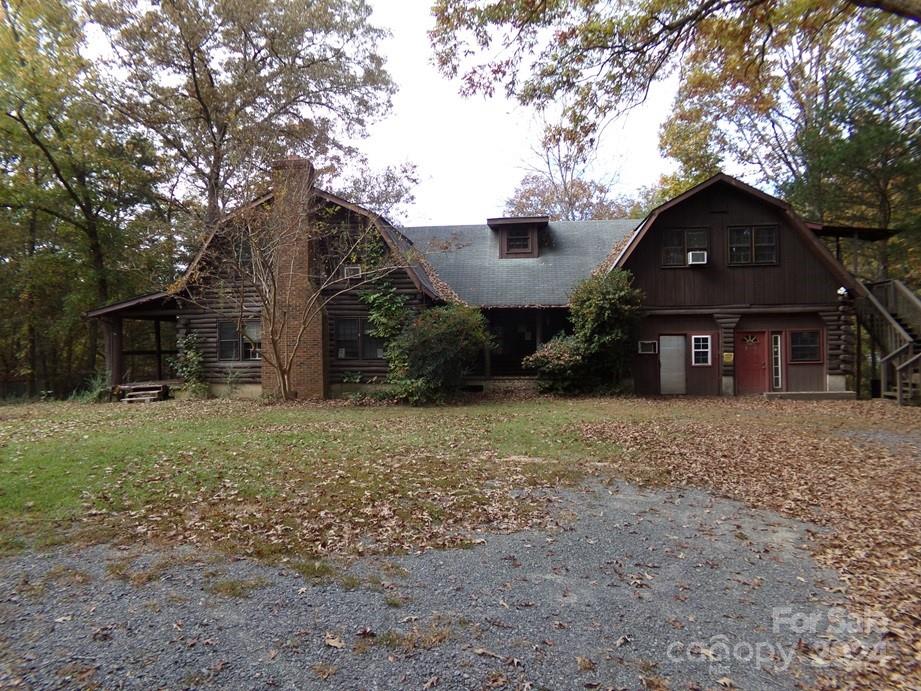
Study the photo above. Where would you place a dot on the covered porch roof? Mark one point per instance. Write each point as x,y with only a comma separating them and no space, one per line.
158,305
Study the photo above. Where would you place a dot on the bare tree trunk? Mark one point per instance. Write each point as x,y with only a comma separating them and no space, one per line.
30,309
102,291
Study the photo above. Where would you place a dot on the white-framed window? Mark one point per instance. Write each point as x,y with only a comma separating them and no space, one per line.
777,361
351,271
647,347
233,344
701,351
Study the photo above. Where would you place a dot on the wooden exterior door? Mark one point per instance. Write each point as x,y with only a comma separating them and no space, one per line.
751,362
673,355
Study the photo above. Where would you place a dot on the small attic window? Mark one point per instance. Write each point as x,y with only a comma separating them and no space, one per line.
518,241
518,236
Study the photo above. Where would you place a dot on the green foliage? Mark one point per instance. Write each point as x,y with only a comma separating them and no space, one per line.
96,389
596,58
189,365
604,309
829,119
561,364
351,377
429,359
387,312
227,86
77,201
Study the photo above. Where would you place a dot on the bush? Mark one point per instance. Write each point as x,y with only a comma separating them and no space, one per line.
603,310
560,364
96,390
430,357
190,365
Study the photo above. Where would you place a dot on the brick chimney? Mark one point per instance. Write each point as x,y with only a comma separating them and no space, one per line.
292,183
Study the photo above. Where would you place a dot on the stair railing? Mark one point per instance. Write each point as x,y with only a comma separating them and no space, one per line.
887,332
897,298
905,371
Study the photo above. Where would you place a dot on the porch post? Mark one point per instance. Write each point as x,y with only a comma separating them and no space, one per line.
159,347
727,324
858,365
112,329
538,330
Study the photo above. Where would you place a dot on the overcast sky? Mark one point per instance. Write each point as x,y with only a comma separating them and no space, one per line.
471,152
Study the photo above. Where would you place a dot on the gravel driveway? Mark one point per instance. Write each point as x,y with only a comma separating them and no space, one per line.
634,588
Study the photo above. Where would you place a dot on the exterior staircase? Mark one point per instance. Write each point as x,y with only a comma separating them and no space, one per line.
142,392
892,314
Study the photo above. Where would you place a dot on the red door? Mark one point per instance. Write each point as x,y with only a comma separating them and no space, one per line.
751,362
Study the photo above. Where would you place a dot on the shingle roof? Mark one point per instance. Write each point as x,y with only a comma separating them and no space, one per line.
467,259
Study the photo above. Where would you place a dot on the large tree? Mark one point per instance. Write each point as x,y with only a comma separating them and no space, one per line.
602,57
228,86
559,183
74,181
832,123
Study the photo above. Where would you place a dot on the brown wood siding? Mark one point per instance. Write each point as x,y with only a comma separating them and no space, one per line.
701,381
798,278
349,306
705,381
796,376
202,316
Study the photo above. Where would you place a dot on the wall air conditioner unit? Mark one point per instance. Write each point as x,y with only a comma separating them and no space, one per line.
697,257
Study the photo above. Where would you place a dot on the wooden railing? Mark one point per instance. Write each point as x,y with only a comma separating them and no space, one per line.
895,341
899,300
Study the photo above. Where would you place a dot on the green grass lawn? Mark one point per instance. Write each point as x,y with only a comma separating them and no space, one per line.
308,473
303,483
263,479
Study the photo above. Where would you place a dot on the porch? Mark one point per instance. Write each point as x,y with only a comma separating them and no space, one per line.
518,333
140,338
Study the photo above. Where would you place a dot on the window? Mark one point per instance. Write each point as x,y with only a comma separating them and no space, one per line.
347,339
234,345
351,271
372,348
677,242
648,347
753,245
673,248
776,362
354,341
228,341
700,351
518,241
805,346
252,341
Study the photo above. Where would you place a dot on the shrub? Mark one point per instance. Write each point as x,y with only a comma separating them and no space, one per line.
190,365
603,310
560,364
387,312
95,390
431,356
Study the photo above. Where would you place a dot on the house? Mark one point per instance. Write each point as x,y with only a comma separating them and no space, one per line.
741,297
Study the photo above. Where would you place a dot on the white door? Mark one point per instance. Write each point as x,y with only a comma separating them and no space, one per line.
672,364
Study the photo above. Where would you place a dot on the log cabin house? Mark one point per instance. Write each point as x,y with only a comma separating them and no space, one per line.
742,297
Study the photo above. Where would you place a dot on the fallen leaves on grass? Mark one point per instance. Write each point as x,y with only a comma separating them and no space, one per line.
864,491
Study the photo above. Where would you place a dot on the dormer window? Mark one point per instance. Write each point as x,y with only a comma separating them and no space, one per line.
519,241
519,237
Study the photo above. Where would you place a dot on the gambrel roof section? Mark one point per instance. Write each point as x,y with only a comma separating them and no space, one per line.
620,253
418,269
